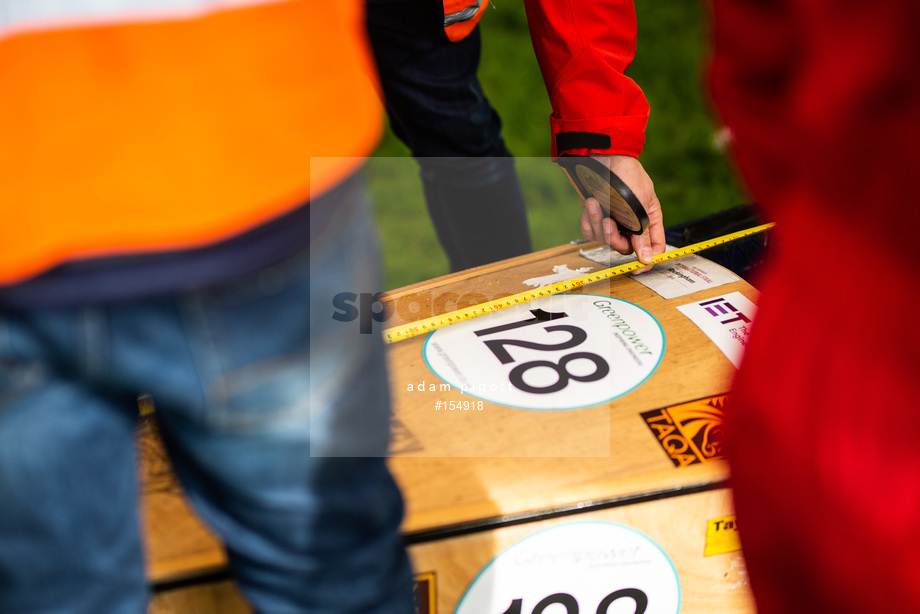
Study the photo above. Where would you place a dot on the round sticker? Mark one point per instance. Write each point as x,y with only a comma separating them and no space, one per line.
582,567
564,351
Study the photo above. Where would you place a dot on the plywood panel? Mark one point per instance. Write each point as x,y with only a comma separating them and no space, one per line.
458,466
714,584
462,467
209,598
177,543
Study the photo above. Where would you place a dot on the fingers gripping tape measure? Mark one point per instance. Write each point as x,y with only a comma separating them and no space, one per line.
590,178
427,325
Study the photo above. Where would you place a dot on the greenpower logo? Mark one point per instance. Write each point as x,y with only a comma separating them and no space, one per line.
690,433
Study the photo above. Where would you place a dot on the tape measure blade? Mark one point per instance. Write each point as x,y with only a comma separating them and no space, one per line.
406,331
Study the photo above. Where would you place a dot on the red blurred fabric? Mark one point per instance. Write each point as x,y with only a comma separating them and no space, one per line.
823,97
583,49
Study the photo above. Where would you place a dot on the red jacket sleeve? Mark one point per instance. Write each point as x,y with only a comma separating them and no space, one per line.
584,48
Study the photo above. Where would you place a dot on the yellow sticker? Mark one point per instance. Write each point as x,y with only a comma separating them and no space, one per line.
722,536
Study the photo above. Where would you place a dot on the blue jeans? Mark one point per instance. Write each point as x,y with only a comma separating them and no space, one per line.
251,394
437,107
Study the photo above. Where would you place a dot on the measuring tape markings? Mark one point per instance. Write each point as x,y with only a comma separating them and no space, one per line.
427,325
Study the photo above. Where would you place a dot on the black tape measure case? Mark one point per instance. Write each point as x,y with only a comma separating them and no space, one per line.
592,178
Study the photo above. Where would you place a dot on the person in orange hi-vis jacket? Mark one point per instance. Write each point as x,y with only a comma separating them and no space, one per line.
179,206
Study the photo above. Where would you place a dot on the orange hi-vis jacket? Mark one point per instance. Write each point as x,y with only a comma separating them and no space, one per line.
148,126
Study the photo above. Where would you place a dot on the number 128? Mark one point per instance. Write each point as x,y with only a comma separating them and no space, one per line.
571,605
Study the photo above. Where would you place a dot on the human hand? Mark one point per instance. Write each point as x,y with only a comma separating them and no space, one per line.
596,227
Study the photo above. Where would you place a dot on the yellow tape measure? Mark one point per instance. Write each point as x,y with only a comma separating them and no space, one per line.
427,325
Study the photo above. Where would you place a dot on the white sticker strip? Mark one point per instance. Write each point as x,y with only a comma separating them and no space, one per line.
726,320
561,272
670,279
608,256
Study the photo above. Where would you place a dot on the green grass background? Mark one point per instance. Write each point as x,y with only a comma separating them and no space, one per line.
692,178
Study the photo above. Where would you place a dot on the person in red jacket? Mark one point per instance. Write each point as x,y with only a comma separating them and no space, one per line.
824,102
584,49
428,54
